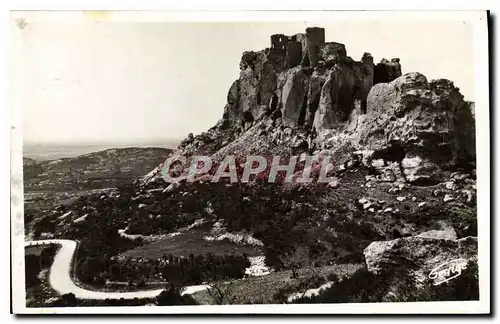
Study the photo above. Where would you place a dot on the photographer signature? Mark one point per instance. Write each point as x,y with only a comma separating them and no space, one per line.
447,271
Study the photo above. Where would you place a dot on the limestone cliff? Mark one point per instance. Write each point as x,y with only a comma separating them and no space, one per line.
305,95
312,82
419,128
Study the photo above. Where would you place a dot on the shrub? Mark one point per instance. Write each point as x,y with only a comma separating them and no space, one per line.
364,286
172,296
361,287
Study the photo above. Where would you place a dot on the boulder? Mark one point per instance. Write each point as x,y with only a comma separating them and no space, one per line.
446,234
418,170
426,126
421,254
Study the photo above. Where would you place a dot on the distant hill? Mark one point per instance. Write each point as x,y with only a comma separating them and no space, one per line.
51,151
96,170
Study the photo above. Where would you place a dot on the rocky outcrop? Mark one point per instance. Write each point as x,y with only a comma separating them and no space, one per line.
364,79
293,96
231,110
316,83
386,71
408,129
291,76
337,97
333,53
426,126
421,254
472,107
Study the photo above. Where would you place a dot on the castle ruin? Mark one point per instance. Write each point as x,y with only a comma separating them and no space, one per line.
312,82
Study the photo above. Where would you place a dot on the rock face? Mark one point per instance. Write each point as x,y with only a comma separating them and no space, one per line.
472,107
294,96
420,254
386,71
426,126
312,82
416,129
337,97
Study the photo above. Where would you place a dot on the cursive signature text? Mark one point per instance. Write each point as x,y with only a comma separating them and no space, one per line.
447,271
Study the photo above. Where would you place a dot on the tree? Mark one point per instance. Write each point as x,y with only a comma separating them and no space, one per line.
221,293
32,266
114,272
69,300
172,295
141,283
295,260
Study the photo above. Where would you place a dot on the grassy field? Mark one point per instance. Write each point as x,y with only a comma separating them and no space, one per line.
256,290
190,242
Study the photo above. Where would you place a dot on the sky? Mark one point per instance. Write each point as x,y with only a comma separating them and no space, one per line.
95,82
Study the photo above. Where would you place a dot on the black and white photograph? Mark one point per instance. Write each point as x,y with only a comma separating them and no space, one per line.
312,162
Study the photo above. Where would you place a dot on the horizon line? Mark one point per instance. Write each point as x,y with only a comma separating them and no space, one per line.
84,142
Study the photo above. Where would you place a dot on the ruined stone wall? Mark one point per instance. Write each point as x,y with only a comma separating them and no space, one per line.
302,39
332,53
279,41
386,71
315,39
293,54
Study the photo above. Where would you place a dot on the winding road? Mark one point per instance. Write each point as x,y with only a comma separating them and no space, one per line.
60,276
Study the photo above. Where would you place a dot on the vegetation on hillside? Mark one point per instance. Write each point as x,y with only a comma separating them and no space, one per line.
365,287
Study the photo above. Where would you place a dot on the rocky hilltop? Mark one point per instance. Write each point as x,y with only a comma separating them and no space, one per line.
306,95
305,81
